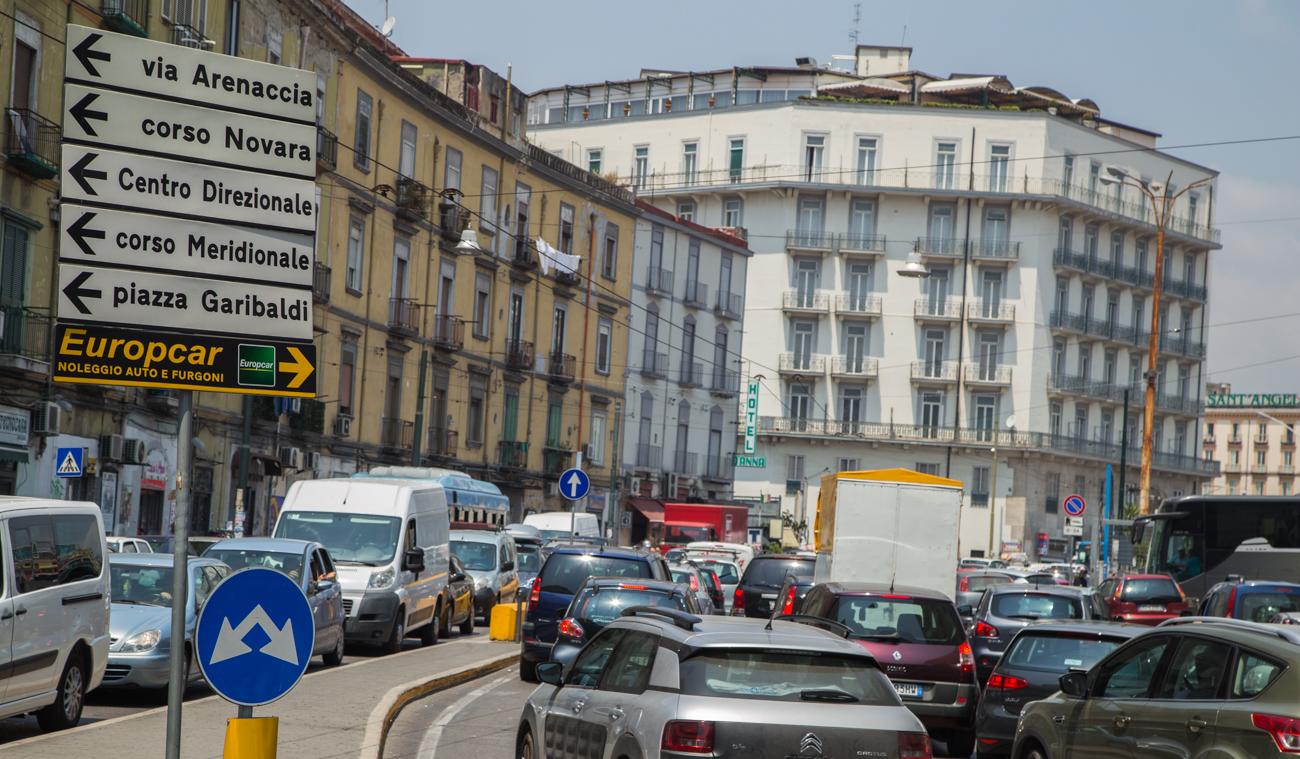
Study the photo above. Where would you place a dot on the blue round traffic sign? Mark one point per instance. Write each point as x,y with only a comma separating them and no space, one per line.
1075,505
574,484
254,636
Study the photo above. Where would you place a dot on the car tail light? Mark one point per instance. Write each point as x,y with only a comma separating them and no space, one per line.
626,586
738,602
695,584
569,628
1285,731
914,746
966,657
964,585
788,606
535,596
1007,682
689,737
985,630
717,584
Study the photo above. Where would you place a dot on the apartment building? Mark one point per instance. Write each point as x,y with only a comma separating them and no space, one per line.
1033,318
1252,438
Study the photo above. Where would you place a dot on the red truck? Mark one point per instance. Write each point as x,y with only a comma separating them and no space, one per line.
688,522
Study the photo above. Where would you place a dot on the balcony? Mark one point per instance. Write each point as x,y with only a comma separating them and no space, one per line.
126,16
659,282
654,365
857,244
567,278
809,241
555,459
935,309
560,367
448,332
412,199
940,247
692,374
730,306
806,301
995,250
452,218
512,455
934,371
31,143
801,364
726,383
187,36
696,295
327,149
1288,440
1064,320
720,468
524,255
649,456
24,336
991,311
857,304
1234,440
1287,469
443,442
1183,289
519,355
396,434
320,283
403,316
988,375
686,464
855,367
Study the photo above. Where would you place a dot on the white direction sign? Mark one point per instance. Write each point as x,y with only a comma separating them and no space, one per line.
186,189
159,69
149,300
171,129
144,241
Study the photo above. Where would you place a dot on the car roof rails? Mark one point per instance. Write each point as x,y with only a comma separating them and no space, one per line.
684,620
1276,631
821,623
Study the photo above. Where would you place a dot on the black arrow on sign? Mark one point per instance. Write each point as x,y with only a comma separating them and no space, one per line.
82,113
78,232
76,292
81,171
86,52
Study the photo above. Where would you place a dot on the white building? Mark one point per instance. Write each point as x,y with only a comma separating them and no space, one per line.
1034,318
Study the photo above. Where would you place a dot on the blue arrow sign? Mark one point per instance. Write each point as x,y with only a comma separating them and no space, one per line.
70,462
574,484
254,636
1075,505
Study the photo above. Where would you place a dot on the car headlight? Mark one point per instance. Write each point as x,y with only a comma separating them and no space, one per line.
480,583
382,579
141,642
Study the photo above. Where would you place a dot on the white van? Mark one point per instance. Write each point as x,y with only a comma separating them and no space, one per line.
53,609
389,541
564,524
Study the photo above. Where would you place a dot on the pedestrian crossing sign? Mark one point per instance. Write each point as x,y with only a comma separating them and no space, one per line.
70,462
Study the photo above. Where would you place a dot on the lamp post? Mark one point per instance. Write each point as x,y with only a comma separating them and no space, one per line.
1162,204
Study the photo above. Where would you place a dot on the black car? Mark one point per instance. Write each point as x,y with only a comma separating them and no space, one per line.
601,600
762,581
1004,609
1031,669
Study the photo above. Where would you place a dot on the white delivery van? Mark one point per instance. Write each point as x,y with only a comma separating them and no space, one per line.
564,524
890,526
53,608
389,540
738,552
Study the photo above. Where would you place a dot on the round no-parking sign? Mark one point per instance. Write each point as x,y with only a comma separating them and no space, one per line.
1075,505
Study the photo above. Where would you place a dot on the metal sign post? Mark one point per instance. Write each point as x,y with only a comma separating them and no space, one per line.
176,660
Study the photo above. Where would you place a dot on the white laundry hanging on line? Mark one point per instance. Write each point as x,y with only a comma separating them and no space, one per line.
552,258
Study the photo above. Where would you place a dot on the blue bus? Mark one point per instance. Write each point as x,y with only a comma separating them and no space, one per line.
472,504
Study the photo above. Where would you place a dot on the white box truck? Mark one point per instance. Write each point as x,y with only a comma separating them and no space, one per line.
890,526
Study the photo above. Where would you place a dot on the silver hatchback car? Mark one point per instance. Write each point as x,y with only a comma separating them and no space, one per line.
662,682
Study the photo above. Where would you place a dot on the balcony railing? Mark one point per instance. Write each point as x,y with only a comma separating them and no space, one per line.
403,316
934,371
519,355
686,463
696,295
692,374
935,308
720,468
859,243
560,366
659,281
448,332
444,442
524,254
452,218
730,306
327,149
512,454
555,460
31,143
24,333
320,283
807,301
1067,320
1183,289
858,304
801,363
186,36
861,367
946,247
988,374
649,456
995,250
412,198
126,16
808,239
396,434
654,364
726,382
997,311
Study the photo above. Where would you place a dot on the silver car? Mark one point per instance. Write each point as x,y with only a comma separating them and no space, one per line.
688,574
661,682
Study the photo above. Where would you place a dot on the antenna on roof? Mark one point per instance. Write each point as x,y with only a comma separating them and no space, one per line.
857,24
787,589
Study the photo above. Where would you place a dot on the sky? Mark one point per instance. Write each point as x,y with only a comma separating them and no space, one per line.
1197,71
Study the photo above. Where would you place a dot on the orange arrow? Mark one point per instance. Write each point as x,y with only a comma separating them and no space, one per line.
299,367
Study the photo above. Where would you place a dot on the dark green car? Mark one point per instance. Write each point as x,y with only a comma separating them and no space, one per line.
1192,687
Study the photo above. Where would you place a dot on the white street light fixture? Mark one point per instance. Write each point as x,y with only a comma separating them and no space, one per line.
914,268
468,245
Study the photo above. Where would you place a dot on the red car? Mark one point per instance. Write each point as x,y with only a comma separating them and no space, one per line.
1141,599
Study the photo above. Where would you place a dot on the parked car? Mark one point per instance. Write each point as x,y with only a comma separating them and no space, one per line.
660,682
199,544
976,562
1192,687
528,558
740,553
562,575
917,638
1005,609
1030,669
763,580
120,544
714,585
307,563
564,524
140,624
972,584
1141,599
490,559
728,573
460,597
601,600
1255,601
691,576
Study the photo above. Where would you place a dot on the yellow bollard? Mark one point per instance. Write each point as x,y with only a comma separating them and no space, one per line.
251,738
501,624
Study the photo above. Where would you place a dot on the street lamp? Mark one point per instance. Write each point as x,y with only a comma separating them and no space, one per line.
468,245
1162,204
914,268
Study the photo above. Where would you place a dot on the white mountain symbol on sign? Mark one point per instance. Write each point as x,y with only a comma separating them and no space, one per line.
69,465
230,641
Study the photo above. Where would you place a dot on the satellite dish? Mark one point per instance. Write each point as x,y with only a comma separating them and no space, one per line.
1011,422
387,28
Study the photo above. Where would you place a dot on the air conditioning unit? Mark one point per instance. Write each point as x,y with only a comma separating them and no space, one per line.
291,457
47,419
110,447
586,454
342,425
133,451
313,460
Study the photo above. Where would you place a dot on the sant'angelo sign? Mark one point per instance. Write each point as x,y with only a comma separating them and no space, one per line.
1253,400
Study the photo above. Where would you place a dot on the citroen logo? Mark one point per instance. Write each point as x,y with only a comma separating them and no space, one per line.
898,656
810,745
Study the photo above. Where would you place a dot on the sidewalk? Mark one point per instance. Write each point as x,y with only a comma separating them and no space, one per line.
326,715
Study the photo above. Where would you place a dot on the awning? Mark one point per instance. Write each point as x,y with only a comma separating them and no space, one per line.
16,455
967,84
651,509
866,87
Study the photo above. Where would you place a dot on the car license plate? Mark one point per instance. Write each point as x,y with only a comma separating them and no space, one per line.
1151,607
769,596
908,690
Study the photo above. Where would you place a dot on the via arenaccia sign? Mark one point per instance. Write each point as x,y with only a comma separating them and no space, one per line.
1253,400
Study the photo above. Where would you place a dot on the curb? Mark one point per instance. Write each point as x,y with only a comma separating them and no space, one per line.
396,699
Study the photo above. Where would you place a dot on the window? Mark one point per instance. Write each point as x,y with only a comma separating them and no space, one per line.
940,228
927,468
488,200
554,422
848,465
482,305
559,320
1253,674
609,256
593,660
999,167
231,45
1065,234
361,140
736,159
690,162
641,166
475,415
814,150
1054,419
54,550
510,414
1094,176
1053,493
596,443
733,212
347,374
867,160
794,467
979,487
566,228
274,45
356,255
945,165
1197,671
401,266
997,230
1259,487
451,172
1058,360
604,343
1067,172
686,210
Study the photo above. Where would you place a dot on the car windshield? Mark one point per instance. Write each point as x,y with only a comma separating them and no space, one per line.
1036,606
604,605
785,676
681,534
556,534
772,572
530,559
1150,590
288,563
1260,606
727,573
904,620
565,572
350,538
150,586
475,555
978,583
1056,653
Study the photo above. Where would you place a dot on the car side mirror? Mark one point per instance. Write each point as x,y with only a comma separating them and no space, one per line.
966,610
508,566
550,672
457,576
1074,684
413,560
320,586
